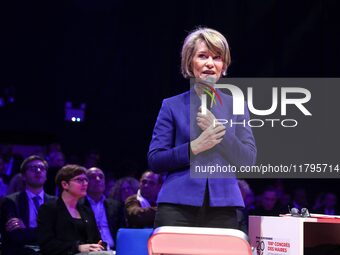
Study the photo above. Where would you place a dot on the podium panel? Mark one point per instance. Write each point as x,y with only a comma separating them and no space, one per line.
289,235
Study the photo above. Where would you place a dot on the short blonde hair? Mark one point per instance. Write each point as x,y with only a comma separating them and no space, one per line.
215,42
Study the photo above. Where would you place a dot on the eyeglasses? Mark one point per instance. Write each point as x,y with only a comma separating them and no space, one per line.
36,168
80,180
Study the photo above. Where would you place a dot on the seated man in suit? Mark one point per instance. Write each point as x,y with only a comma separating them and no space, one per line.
18,219
109,213
141,208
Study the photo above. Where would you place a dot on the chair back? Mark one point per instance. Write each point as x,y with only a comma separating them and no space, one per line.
131,241
198,241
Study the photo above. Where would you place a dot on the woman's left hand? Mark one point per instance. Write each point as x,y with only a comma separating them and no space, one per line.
205,120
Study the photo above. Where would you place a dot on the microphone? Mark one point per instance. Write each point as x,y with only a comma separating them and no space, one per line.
208,101
305,213
296,213
208,93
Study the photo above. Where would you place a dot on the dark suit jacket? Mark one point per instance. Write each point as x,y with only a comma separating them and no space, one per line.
138,217
16,206
57,233
114,213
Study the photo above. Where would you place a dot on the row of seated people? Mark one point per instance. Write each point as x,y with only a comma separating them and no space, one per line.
140,208
269,199
80,219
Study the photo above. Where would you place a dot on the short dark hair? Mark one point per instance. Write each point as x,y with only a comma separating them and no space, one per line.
23,166
159,176
67,172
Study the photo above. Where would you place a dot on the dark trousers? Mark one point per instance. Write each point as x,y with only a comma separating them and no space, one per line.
194,216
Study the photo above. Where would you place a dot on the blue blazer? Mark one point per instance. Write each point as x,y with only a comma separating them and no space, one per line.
169,152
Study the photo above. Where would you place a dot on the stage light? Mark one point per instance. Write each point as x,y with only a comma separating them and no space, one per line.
74,114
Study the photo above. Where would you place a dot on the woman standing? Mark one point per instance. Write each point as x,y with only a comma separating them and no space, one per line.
64,226
176,143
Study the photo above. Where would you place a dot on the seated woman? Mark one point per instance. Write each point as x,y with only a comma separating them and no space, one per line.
64,226
124,188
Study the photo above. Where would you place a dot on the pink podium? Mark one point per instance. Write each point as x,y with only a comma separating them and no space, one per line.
287,235
198,241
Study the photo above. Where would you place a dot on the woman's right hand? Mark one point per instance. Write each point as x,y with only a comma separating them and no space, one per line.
90,247
208,139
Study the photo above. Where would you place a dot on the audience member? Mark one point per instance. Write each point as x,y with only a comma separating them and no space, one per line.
279,187
283,198
108,212
18,218
300,199
328,204
141,208
268,204
65,226
318,202
16,184
124,188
